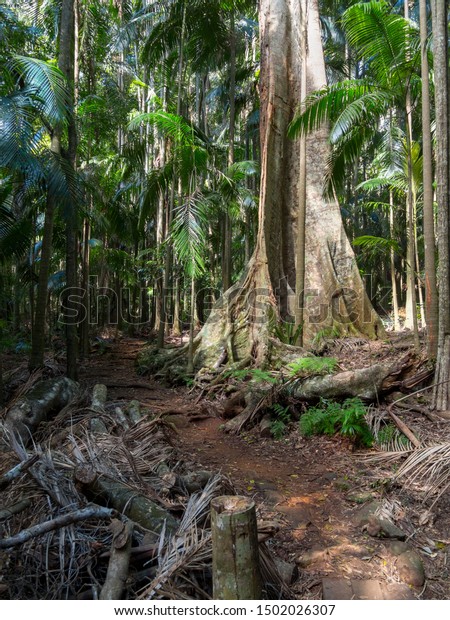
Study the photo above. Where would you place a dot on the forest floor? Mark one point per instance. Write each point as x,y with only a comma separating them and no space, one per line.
318,489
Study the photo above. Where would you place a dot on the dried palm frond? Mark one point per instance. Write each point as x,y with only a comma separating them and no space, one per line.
189,550
198,505
389,439
387,457
390,510
274,584
429,467
183,554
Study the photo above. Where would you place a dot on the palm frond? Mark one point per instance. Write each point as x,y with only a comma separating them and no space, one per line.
18,141
47,84
377,245
429,467
189,233
170,125
185,553
381,36
346,104
15,235
157,182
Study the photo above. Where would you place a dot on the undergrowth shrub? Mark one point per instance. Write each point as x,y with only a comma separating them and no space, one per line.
330,417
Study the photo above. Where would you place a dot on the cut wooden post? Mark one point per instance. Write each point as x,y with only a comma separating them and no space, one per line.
236,572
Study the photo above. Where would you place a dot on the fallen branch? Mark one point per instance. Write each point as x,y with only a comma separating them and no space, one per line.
403,428
418,409
16,471
9,511
119,562
92,512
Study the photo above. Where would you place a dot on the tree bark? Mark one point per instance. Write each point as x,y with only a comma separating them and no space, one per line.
335,299
236,572
431,296
40,316
227,262
441,397
118,566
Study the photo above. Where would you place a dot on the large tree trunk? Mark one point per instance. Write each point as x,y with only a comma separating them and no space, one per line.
335,300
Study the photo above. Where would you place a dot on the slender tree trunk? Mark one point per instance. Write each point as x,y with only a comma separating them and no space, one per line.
392,261
85,347
67,63
160,235
431,296
411,298
171,204
441,75
190,364
176,328
301,224
227,235
417,267
40,316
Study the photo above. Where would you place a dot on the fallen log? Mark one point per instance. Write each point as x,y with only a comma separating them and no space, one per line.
99,394
137,507
365,383
92,512
42,402
119,562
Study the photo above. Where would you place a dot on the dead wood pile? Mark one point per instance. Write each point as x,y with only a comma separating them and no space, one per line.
98,506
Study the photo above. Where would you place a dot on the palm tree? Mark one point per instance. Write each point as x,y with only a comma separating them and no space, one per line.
37,92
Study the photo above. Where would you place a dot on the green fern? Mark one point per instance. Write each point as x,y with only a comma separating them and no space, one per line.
313,366
282,419
287,332
329,417
325,334
255,374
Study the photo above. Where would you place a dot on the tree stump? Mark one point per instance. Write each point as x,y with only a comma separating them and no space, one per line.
236,572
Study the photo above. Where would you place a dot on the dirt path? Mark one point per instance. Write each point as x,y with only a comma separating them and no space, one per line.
312,487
